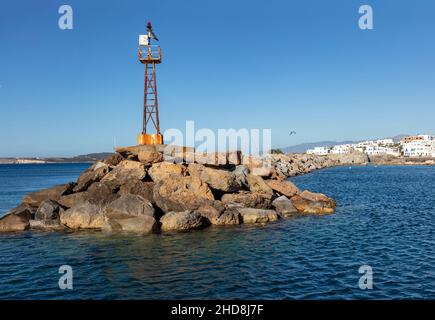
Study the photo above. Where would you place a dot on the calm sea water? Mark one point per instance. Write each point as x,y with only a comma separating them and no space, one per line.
385,219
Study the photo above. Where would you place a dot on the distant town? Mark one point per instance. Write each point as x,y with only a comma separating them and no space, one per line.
419,146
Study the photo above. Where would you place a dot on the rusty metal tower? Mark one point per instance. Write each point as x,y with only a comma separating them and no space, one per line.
150,55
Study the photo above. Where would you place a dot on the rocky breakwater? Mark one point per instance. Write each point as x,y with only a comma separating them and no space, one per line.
289,165
141,190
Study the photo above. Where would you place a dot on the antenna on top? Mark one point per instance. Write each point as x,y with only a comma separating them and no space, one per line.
151,34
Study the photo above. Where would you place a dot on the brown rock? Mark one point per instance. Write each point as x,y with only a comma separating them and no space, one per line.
181,193
124,172
71,200
34,199
257,185
48,210
241,172
219,158
181,221
149,157
24,211
141,188
13,222
221,180
284,206
313,203
142,224
113,160
98,193
129,206
47,225
247,200
259,166
84,216
195,169
285,188
250,215
162,170
218,215
93,174
101,194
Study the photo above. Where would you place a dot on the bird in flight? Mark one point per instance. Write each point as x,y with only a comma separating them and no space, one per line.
292,133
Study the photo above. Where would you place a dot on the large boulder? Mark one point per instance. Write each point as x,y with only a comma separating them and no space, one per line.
195,169
98,193
284,206
219,215
251,215
131,213
181,193
182,221
258,165
24,210
141,224
162,170
93,174
73,199
84,216
101,194
141,188
48,210
113,160
222,180
148,157
258,185
34,199
241,172
13,222
124,172
285,188
47,225
129,206
247,200
313,203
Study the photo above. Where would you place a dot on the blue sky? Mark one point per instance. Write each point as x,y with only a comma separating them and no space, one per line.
285,65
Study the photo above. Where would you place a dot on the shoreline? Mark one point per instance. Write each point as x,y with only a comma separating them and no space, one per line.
138,190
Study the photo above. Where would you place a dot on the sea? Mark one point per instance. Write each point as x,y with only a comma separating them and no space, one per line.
380,244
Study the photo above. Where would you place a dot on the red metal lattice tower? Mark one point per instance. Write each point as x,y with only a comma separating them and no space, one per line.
150,55
150,101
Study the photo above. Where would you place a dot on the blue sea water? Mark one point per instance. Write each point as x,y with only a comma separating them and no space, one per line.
385,219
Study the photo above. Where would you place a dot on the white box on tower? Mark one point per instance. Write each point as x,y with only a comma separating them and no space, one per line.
143,40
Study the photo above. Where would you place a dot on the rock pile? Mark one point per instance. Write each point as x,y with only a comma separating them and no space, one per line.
289,165
139,190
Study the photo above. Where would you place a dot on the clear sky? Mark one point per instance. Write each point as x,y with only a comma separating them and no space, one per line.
285,65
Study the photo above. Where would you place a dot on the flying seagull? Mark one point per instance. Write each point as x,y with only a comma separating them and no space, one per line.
292,132
151,34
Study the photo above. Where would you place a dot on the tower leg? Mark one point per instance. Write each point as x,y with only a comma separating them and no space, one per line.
151,107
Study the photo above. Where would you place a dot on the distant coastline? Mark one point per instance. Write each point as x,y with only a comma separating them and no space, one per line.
92,157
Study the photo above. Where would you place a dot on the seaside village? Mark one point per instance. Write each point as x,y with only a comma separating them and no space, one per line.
419,146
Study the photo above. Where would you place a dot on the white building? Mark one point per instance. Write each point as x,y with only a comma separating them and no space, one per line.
418,146
385,142
377,151
321,151
412,146
341,149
